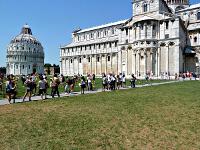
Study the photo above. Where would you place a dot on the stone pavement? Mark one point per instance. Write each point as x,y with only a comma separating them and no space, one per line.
38,98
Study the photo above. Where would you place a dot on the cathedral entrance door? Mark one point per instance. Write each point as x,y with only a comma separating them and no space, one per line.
34,70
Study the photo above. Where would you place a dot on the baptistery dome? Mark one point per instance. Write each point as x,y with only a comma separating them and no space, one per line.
25,54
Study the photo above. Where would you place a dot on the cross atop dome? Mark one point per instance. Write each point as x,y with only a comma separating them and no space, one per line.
26,30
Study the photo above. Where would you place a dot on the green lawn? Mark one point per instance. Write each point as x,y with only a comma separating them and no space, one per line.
159,117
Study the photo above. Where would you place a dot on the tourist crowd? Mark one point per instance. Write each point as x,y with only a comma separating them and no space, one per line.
41,85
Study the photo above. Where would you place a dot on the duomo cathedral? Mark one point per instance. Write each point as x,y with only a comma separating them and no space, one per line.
162,36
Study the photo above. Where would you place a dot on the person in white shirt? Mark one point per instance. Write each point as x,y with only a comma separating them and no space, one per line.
42,88
89,82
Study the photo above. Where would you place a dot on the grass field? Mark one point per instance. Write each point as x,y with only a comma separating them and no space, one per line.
21,88
159,117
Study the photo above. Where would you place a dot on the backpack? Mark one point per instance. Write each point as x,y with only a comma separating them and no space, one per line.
104,81
9,87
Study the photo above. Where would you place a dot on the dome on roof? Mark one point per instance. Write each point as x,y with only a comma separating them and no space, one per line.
26,26
25,54
26,37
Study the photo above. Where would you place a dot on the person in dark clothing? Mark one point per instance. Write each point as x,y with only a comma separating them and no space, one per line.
83,85
56,83
133,80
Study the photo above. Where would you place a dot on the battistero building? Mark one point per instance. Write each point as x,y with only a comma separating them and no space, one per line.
161,37
25,54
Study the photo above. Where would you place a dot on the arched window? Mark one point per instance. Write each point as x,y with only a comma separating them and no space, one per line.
198,16
154,27
108,58
195,39
145,7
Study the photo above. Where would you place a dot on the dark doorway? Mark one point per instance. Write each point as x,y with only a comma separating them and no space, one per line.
34,70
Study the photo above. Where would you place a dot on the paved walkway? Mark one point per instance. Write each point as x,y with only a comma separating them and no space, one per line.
38,98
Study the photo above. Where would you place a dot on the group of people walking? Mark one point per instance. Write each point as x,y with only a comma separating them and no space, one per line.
114,82
34,85
39,84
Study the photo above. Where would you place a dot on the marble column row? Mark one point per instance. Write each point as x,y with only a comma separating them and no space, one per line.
142,61
93,64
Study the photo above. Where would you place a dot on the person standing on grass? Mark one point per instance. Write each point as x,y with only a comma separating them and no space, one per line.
83,85
124,81
104,82
23,79
93,81
62,79
73,83
47,85
118,81
89,81
34,84
147,78
10,89
29,87
67,86
112,82
121,79
176,76
56,83
42,88
52,85
133,79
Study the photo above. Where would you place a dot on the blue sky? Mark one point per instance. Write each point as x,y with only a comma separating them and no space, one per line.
52,21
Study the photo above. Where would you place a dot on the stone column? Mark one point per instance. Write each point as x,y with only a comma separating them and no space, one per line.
145,32
69,63
73,66
138,62
13,68
145,61
106,63
67,66
156,67
127,62
133,62
111,62
63,65
159,61
167,69
100,57
95,69
78,64
151,29
20,68
120,61
139,31
152,62
117,57
134,33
